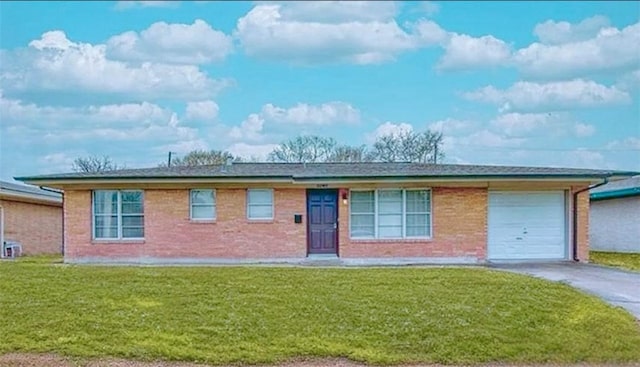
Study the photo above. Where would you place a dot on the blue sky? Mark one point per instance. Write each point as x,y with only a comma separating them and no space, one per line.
510,83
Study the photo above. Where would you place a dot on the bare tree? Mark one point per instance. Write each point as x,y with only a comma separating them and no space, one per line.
346,153
409,146
202,157
305,148
92,164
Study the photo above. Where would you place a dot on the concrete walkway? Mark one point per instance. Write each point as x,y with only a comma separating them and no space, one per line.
617,287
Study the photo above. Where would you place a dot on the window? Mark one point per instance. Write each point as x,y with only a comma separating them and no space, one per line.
391,214
418,213
203,204
118,214
260,204
363,214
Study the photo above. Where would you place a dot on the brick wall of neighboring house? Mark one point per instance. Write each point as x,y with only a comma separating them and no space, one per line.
169,233
459,219
37,227
614,224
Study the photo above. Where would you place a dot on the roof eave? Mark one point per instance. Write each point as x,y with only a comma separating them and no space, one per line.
615,194
61,182
501,177
29,197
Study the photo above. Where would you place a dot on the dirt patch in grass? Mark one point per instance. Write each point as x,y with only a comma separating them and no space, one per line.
54,360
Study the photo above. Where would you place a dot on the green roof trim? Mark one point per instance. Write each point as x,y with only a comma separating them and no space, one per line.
615,194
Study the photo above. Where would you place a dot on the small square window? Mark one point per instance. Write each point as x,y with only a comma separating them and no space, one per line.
203,205
260,204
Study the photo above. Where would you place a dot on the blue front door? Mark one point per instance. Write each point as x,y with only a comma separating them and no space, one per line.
322,221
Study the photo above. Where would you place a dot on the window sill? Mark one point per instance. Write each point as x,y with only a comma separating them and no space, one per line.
391,240
259,221
117,242
202,221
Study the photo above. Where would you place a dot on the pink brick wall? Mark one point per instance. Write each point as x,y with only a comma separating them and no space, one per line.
37,227
169,233
583,223
459,228
459,218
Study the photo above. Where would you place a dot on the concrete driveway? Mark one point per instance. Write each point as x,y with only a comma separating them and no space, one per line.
618,287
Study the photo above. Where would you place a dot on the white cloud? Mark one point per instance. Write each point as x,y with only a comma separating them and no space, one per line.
487,138
450,126
582,130
388,128
183,146
249,129
337,11
429,33
582,158
464,52
430,8
540,124
195,43
302,114
57,162
201,111
59,126
531,96
258,151
135,134
56,64
553,33
18,114
123,5
352,32
610,50
306,114
522,124
52,40
629,81
629,143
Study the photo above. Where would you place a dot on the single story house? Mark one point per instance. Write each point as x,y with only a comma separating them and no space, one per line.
353,212
31,217
615,216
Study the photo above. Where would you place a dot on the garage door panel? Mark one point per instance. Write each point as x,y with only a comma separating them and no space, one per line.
526,225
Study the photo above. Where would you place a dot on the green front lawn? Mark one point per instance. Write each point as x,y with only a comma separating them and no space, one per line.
270,314
617,259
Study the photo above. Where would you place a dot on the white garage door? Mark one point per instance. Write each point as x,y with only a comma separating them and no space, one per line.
526,225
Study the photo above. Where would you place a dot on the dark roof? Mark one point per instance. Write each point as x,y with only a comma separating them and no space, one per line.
617,189
28,190
301,172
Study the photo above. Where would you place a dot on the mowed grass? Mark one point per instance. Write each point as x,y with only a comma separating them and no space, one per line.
617,259
251,315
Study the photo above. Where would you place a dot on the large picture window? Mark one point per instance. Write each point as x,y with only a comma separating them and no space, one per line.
391,213
118,214
260,204
203,204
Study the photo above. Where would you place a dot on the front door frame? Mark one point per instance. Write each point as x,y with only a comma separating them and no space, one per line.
337,213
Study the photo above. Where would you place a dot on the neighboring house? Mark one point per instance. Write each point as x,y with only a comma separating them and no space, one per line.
354,212
615,216
32,217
